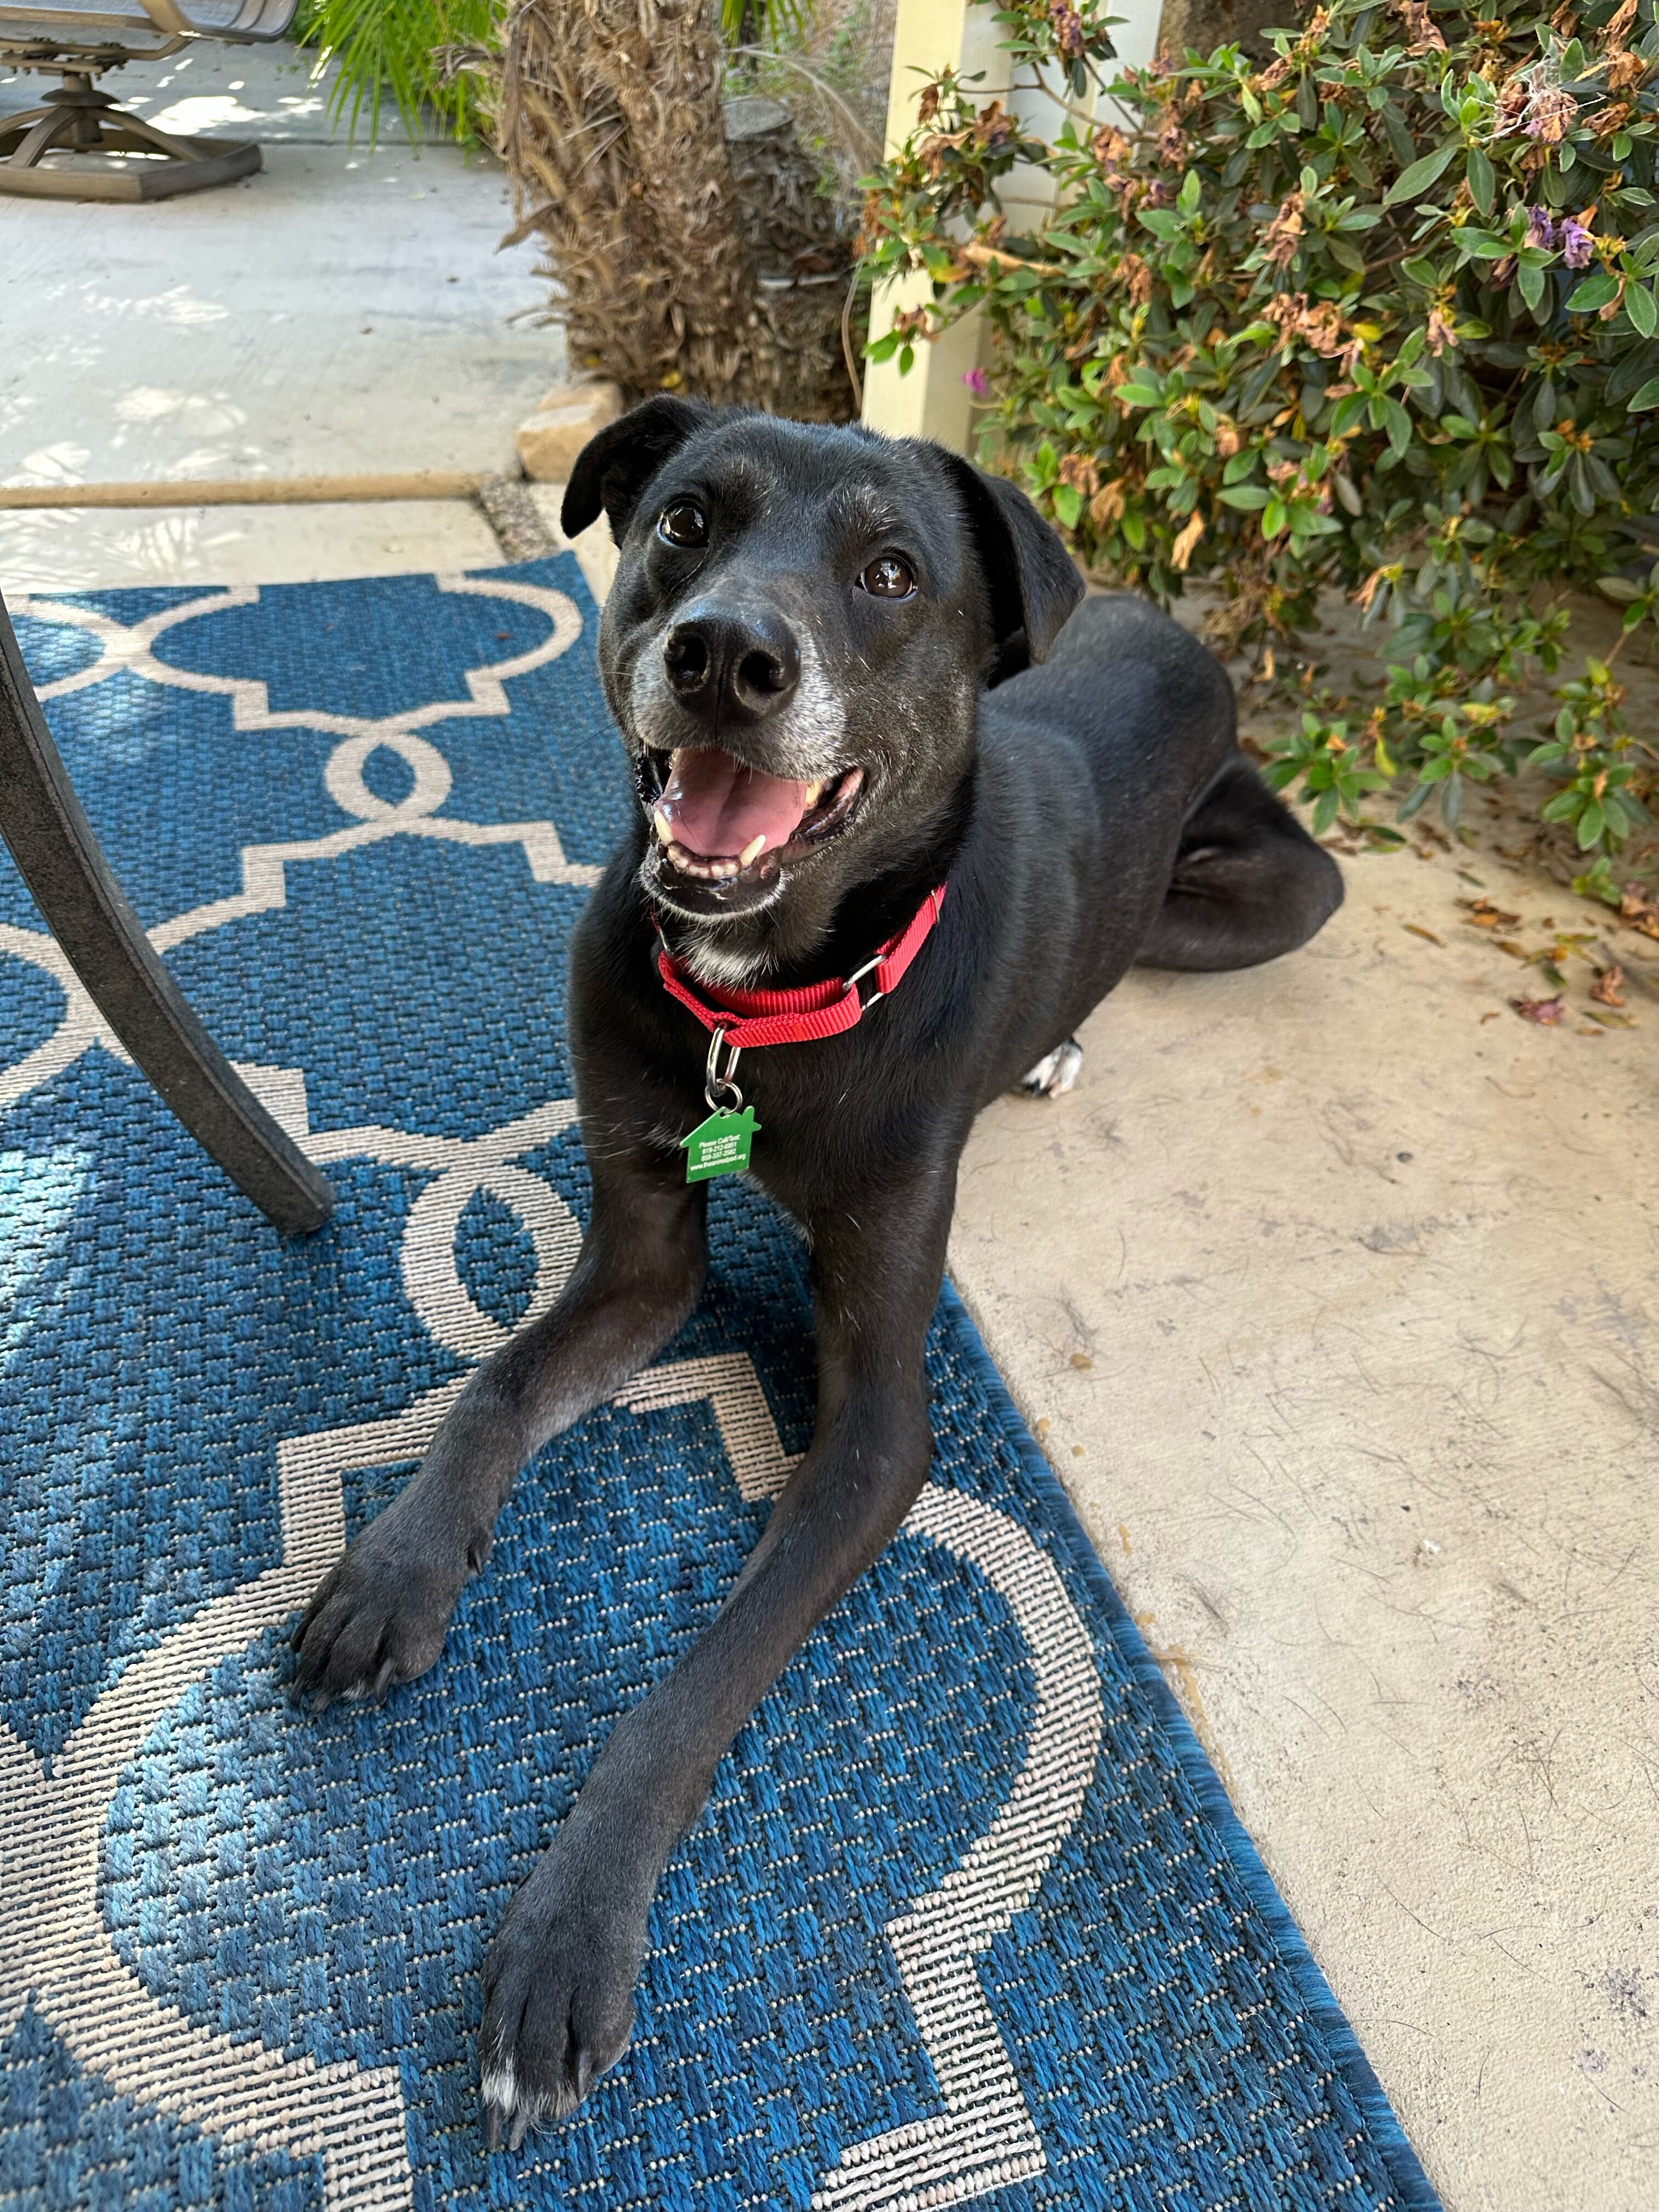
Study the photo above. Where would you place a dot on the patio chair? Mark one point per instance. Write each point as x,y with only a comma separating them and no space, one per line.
59,859
92,134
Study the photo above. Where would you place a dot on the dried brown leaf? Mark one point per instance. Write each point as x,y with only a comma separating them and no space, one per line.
1483,914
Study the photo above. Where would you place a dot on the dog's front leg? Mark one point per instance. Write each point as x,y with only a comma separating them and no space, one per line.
380,1616
560,1978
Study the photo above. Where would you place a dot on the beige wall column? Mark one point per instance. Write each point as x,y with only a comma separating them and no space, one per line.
932,401
930,35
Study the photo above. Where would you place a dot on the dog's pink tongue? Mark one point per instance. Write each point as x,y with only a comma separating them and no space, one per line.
718,808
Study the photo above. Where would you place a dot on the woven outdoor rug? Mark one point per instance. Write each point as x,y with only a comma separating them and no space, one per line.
968,1918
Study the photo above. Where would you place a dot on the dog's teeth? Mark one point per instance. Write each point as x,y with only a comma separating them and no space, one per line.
664,828
751,849
815,792
688,864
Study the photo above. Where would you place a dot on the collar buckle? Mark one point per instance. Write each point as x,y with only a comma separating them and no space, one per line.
866,998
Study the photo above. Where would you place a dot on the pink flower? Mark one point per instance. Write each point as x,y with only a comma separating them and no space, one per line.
976,382
1577,246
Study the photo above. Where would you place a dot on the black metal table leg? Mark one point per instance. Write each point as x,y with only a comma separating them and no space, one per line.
61,860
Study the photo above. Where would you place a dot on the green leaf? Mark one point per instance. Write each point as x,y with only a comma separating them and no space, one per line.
1531,282
1068,504
1400,138
1192,187
1595,292
1482,183
1272,518
1400,426
1647,396
1250,497
1421,174
1139,395
1640,306
1590,825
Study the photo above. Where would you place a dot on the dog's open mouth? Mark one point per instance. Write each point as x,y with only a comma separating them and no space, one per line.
716,820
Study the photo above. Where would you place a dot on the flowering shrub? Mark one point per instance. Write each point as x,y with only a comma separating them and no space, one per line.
1380,314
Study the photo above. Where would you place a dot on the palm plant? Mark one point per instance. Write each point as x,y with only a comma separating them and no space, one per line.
399,51
611,116
406,52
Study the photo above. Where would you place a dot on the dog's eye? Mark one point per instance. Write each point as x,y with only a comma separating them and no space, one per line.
684,524
888,578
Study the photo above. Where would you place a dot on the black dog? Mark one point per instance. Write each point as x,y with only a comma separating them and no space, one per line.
797,647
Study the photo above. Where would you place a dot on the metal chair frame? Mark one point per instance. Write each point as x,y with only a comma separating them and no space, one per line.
80,44
59,858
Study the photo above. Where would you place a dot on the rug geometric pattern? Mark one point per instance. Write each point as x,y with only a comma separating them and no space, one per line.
968,1919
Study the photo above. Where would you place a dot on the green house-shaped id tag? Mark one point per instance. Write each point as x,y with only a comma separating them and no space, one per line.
720,1145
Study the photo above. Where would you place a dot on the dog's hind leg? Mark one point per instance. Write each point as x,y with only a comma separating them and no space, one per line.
380,1618
1055,1073
1249,884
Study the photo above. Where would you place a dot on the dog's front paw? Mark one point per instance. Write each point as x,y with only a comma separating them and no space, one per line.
380,1616
559,1986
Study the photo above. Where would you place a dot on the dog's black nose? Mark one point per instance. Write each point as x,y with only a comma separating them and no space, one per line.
731,668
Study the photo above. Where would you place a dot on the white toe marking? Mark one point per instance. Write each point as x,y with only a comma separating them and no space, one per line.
500,2085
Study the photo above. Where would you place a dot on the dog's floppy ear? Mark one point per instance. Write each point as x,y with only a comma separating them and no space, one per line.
613,468
1033,581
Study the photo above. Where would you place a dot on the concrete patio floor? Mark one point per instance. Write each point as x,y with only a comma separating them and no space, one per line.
345,311
1330,1291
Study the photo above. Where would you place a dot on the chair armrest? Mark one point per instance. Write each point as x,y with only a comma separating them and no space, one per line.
256,21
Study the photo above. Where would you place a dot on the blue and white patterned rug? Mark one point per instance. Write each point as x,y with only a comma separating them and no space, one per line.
969,1920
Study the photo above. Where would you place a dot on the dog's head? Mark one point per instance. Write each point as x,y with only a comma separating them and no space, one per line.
801,623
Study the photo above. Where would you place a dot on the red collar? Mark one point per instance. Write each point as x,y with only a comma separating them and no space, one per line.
749,1018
